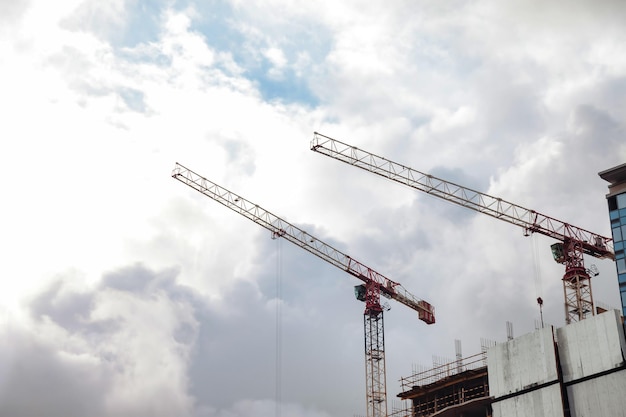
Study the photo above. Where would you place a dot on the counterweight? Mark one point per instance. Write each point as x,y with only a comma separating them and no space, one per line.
574,241
376,284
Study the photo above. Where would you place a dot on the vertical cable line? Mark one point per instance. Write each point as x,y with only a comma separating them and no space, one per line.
537,274
279,300
536,266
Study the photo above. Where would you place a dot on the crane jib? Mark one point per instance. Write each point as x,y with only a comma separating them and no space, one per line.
280,228
530,220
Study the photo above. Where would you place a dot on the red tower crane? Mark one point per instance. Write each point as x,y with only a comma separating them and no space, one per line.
374,284
574,242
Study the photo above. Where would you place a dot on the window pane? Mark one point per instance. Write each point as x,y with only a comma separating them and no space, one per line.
621,201
617,234
619,254
621,278
618,245
612,203
621,266
622,212
624,299
624,232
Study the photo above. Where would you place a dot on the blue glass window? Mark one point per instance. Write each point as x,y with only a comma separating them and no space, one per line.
621,201
617,215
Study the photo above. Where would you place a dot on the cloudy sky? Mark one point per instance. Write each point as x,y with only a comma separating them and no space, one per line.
126,293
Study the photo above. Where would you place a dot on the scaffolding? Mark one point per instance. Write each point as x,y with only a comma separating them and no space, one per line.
456,388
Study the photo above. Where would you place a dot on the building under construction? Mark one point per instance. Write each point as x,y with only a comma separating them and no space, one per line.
458,388
573,371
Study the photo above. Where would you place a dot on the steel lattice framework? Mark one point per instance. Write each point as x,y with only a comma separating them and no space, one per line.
575,242
375,283
375,373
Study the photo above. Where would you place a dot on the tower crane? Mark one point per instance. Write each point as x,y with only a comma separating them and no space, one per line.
374,284
574,242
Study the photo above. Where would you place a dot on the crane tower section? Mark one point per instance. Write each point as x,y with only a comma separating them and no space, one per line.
574,242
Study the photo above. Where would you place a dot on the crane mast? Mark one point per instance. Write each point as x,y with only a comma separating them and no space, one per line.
374,284
574,242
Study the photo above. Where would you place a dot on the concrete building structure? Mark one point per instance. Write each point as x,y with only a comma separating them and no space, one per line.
616,199
578,370
593,368
574,371
454,389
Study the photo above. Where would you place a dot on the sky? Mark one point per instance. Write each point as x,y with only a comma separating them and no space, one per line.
126,293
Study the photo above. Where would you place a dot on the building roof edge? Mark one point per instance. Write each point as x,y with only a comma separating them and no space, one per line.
614,175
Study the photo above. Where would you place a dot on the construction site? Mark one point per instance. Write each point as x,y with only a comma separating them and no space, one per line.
573,371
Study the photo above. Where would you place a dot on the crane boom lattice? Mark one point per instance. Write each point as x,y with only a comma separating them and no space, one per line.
575,241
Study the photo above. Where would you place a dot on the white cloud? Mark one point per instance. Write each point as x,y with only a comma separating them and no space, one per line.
103,19
524,100
262,408
444,119
102,351
277,59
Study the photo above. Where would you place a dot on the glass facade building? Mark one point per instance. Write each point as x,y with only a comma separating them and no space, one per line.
617,214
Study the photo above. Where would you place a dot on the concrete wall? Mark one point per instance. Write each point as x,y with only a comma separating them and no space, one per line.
522,363
590,351
591,346
603,396
590,355
544,402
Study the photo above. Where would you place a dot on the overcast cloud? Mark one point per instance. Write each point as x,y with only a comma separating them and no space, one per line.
126,293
